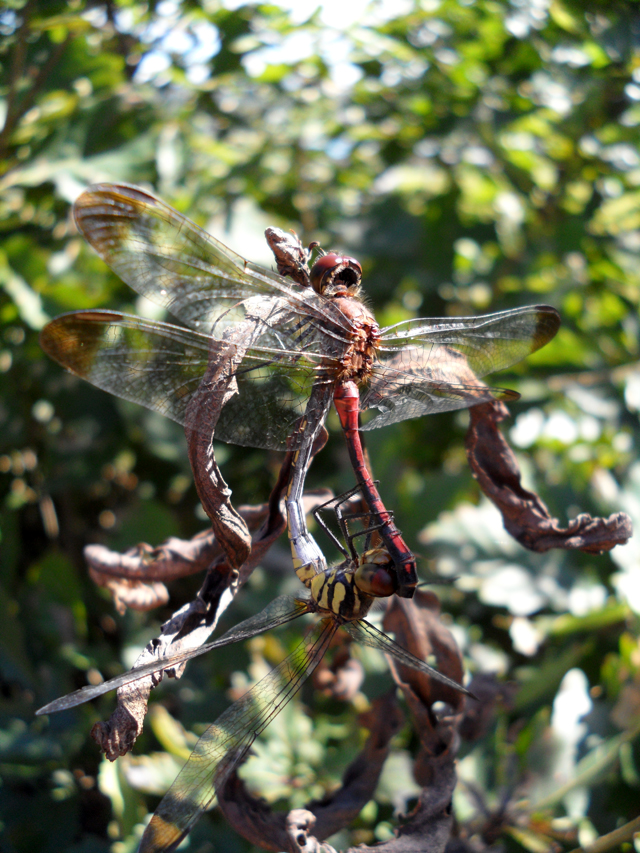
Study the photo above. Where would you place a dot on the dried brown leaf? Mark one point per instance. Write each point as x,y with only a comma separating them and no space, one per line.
524,515
174,558
192,625
187,629
429,825
417,627
217,386
136,594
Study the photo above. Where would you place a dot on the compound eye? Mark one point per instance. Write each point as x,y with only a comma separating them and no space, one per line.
334,267
323,268
374,580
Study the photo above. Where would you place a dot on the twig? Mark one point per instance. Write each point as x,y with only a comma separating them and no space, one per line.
17,108
612,839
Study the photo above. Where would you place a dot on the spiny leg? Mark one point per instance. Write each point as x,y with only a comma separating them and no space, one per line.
337,502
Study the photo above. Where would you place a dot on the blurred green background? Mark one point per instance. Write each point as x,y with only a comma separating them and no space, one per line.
476,156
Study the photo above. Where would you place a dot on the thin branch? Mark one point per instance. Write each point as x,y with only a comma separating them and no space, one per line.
16,109
612,839
17,69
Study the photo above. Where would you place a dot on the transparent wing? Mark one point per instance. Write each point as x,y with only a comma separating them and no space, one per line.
169,259
163,367
434,365
283,609
489,343
443,384
226,742
364,632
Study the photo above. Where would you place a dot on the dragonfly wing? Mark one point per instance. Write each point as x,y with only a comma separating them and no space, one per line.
226,742
488,344
399,395
163,367
283,609
169,259
273,393
428,366
364,632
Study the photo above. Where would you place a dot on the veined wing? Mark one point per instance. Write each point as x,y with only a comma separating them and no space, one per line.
169,259
226,742
367,634
441,385
434,365
162,367
489,343
283,609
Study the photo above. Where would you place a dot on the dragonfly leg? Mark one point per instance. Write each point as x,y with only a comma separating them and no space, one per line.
367,531
337,503
343,518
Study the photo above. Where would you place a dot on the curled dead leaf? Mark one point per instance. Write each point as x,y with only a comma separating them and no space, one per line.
524,514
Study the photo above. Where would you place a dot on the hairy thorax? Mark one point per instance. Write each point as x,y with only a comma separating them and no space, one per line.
357,362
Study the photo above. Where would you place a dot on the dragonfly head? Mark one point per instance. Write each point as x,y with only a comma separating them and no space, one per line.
375,575
336,275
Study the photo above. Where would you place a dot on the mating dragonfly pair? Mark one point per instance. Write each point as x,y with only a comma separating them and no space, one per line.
337,595
299,340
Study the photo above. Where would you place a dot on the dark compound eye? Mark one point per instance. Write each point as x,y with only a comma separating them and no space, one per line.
325,264
375,580
334,269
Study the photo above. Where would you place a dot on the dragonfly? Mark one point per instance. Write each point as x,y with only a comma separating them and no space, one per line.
337,595
300,338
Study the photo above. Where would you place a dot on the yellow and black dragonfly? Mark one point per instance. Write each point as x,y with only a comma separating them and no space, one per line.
342,597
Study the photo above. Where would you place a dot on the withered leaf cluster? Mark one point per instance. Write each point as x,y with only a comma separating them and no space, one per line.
228,553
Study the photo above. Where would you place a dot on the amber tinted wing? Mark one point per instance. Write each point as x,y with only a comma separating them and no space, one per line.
162,366
167,258
226,742
432,365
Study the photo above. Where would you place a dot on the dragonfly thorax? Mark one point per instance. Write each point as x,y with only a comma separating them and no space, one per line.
348,590
357,362
335,592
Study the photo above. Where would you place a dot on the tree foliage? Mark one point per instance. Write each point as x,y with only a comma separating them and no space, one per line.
475,156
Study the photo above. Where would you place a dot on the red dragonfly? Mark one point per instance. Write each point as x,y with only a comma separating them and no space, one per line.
301,339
